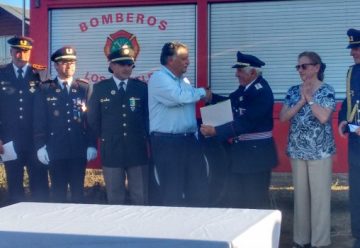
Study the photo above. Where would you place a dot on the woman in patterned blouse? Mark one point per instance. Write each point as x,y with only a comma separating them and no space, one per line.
308,108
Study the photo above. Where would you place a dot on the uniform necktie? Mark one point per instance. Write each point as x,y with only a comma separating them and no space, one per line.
121,87
65,89
20,74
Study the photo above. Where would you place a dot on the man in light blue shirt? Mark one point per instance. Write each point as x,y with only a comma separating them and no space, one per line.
177,155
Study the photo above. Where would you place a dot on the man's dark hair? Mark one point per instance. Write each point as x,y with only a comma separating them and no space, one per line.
169,49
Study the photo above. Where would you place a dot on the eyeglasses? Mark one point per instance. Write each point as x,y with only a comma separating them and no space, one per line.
303,66
66,63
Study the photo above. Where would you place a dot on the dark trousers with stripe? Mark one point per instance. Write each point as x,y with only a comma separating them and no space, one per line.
181,170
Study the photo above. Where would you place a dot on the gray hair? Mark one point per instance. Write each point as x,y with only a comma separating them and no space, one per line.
257,70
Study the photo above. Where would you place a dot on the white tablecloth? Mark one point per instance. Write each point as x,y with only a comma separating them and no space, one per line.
38,225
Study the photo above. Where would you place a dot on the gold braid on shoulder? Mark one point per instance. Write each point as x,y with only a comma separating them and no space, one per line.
351,111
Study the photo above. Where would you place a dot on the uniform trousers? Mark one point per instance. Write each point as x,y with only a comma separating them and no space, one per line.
249,190
38,178
64,173
354,186
181,168
137,184
354,201
312,196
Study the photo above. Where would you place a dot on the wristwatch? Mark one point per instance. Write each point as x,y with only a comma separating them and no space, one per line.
311,103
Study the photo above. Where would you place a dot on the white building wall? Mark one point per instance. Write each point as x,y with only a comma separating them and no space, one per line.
276,32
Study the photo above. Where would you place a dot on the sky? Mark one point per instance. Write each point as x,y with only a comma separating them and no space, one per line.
16,3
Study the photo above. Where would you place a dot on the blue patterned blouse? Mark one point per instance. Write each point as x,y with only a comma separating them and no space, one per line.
308,138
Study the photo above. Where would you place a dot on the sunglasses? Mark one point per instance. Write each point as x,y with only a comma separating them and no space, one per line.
303,66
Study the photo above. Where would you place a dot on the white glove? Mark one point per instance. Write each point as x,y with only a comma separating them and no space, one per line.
91,153
43,155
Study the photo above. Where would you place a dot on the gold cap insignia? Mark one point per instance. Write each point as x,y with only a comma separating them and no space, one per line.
69,51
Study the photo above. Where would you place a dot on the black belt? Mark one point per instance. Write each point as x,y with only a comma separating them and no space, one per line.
172,134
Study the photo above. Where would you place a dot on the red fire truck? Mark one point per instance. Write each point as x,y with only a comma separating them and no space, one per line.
275,31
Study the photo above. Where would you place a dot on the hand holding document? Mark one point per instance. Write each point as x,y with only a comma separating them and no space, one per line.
217,114
9,152
353,127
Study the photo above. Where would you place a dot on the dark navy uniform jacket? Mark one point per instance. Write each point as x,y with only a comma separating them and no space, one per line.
252,110
16,107
353,139
121,122
60,121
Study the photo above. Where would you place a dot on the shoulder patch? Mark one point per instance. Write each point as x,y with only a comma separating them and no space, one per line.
258,86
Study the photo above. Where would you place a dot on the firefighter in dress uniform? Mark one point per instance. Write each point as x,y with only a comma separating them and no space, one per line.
19,80
252,150
349,122
62,139
118,114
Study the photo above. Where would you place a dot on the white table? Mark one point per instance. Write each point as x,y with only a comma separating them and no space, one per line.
50,225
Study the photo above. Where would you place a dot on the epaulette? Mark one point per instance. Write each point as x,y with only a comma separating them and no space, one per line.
139,80
38,67
82,82
47,84
258,86
49,81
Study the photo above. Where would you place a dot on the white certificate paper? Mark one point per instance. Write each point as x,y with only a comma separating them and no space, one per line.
217,114
9,152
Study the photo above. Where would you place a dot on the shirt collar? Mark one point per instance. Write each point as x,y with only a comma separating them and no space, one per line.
247,86
24,68
117,81
69,81
166,70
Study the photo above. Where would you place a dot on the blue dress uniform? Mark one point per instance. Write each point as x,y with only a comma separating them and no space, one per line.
252,150
120,118
16,118
60,124
350,112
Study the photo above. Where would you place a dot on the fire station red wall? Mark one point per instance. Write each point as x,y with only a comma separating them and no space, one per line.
39,31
